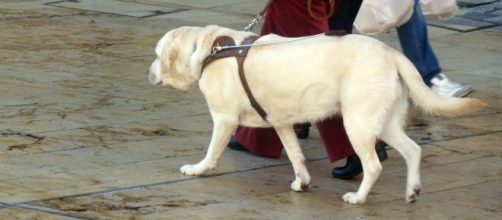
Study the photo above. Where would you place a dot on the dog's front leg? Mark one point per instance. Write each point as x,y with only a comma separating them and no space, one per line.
222,131
290,142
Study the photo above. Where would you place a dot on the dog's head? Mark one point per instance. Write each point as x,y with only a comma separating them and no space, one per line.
172,65
180,53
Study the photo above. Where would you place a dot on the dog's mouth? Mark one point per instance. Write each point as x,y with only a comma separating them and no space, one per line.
153,78
154,81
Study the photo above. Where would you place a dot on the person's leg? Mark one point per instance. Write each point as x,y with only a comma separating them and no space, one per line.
334,138
344,16
259,141
414,41
332,131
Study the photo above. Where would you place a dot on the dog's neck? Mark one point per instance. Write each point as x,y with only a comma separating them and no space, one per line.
204,45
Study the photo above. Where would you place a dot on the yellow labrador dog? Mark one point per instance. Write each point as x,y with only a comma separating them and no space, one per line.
306,80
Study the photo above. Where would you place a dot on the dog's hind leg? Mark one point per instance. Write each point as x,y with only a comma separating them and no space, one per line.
394,135
294,152
221,135
362,136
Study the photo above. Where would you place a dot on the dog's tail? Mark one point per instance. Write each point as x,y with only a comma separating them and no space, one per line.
427,99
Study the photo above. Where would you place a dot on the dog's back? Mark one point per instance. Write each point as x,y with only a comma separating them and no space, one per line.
313,75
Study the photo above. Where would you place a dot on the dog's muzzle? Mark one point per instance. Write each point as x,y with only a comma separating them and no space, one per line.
153,76
153,79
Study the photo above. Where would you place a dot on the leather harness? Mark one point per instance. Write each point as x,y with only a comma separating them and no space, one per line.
240,52
224,47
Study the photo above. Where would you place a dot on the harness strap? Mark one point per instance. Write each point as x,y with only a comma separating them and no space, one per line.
240,61
218,54
240,54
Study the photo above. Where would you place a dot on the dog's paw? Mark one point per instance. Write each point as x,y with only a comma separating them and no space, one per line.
299,186
353,198
191,170
412,196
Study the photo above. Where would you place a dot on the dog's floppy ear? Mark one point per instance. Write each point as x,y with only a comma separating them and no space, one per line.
181,46
174,52
167,50
202,46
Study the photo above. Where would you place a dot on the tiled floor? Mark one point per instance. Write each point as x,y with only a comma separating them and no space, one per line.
474,15
83,135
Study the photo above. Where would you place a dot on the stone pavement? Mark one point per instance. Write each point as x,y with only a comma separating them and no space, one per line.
83,135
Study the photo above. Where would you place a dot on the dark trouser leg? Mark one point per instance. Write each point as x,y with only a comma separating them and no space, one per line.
344,16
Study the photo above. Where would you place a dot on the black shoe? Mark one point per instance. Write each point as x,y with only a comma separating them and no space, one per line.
235,145
302,130
353,167
380,150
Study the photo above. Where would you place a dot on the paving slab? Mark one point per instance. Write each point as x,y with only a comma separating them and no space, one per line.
477,15
461,24
472,3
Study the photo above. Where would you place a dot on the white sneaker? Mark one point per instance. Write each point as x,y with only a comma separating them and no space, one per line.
445,87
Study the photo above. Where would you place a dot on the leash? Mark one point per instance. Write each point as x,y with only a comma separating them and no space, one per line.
217,48
332,7
258,17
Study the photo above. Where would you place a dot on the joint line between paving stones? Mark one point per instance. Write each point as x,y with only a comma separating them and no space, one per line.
49,211
465,31
41,209
435,165
4,205
37,17
458,187
164,13
53,4
457,138
97,12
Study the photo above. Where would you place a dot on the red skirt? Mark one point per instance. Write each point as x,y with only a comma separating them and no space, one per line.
291,18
